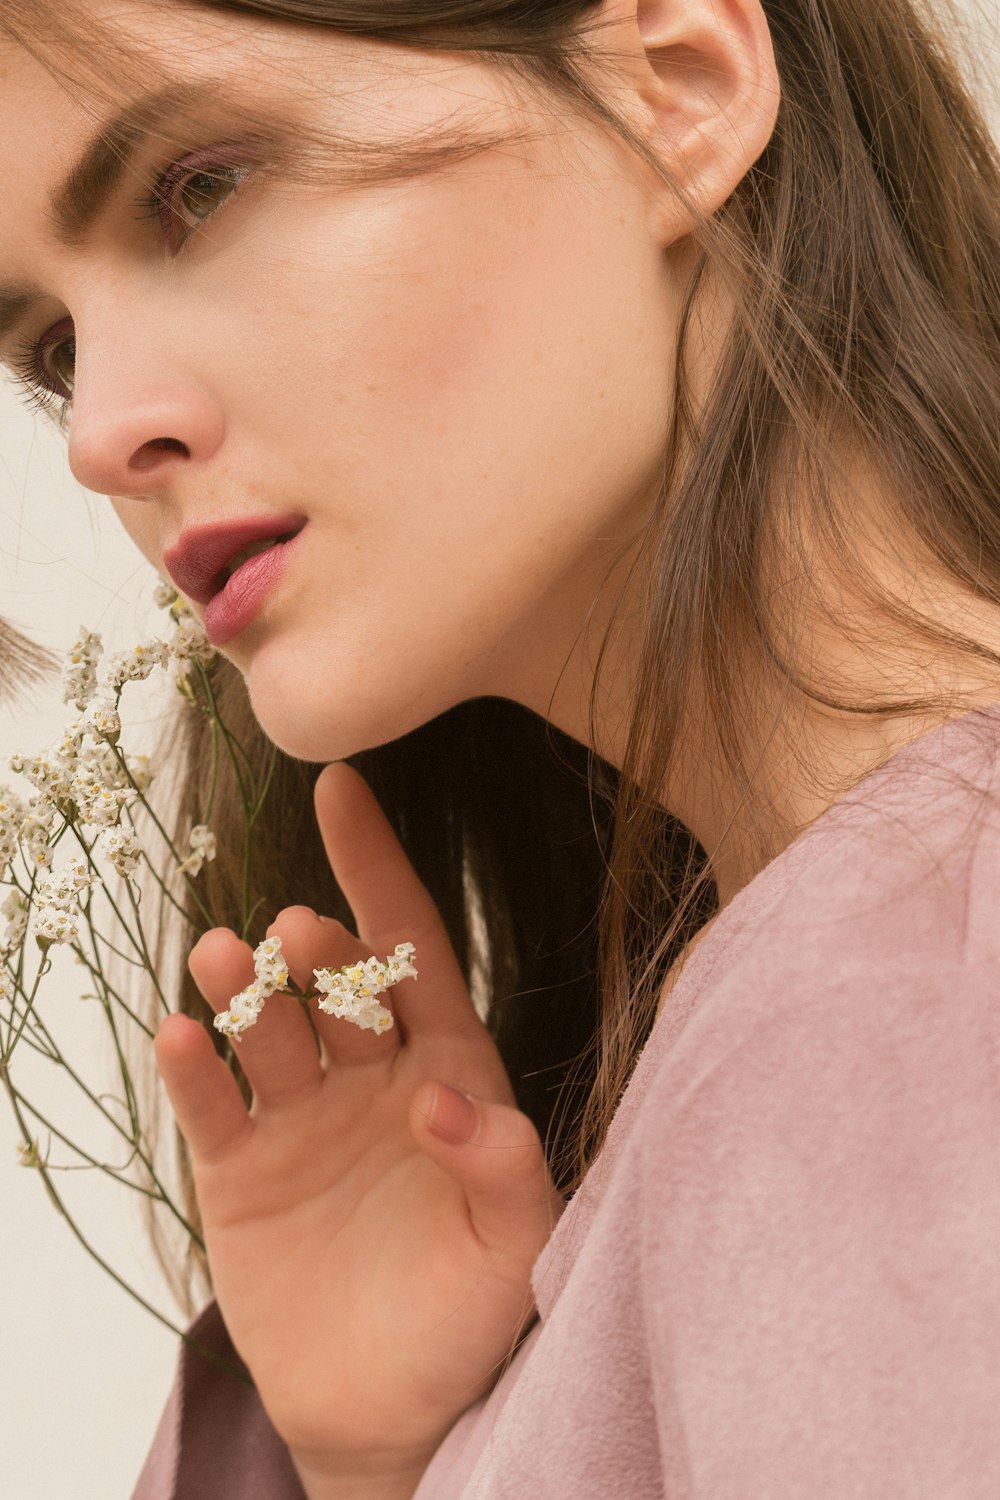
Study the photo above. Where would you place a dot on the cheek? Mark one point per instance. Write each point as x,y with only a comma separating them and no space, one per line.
451,331
465,382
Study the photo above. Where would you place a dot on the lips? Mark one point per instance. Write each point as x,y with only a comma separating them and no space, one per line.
198,562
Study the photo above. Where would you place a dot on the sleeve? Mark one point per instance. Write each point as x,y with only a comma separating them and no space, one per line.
820,1247
215,1441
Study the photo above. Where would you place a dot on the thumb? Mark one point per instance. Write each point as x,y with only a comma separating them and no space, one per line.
494,1153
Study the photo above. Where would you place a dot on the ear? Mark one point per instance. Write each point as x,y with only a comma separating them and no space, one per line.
703,77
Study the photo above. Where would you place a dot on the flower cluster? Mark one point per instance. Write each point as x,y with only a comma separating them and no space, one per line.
86,781
80,669
14,908
272,975
121,848
351,992
203,847
77,826
57,896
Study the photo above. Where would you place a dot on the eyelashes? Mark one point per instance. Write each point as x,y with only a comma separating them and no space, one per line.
37,386
189,193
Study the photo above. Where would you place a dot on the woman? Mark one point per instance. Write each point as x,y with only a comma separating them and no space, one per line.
636,366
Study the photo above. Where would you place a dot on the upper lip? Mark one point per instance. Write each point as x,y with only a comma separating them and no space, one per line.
197,560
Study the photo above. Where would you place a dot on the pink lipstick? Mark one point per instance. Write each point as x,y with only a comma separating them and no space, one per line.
207,564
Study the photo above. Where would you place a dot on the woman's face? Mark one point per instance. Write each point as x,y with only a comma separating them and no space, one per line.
453,389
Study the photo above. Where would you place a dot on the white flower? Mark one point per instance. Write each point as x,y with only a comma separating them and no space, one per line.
65,753
61,887
53,924
141,772
80,669
203,847
244,1008
12,814
122,848
269,964
103,763
135,665
99,804
165,596
102,720
375,1018
57,895
100,786
35,832
400,964
15,910
351,1002
351,992
51,773
6,989
243,1011
189,641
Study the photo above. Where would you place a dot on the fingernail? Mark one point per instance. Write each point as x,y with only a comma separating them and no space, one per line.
454,1116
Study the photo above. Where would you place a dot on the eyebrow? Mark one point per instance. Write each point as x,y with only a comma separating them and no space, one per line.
85,190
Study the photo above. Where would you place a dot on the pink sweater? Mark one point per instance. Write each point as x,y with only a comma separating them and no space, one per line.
781,1279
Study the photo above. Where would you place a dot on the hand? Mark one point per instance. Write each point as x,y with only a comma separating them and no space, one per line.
370,1232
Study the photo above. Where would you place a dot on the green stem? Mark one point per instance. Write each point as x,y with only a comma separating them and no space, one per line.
172,849
213,775
158,1192
29,1011
106,1266
251,814
233,749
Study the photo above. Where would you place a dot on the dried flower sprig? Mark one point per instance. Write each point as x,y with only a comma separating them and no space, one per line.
244,1008
350,993
79,842
75,839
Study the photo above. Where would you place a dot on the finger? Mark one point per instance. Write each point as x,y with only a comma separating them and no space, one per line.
278,1053
390,903
310,942
494,1152
203,1092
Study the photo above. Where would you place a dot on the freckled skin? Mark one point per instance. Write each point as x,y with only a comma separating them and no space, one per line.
462,380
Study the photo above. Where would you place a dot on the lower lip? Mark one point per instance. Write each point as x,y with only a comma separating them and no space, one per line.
233,608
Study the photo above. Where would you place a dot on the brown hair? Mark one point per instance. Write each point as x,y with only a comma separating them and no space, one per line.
22,662
862,256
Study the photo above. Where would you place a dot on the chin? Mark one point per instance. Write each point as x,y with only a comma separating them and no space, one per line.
305,724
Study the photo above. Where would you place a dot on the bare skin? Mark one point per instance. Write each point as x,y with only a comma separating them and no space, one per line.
370,1245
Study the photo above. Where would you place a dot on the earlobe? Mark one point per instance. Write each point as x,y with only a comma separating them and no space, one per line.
708,86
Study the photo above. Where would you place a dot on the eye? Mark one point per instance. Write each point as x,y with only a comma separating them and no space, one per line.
46,369
197,196
189,192
57,366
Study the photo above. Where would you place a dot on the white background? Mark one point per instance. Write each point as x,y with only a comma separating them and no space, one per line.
83,1370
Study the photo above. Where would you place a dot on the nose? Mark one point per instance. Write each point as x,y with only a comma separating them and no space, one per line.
131,434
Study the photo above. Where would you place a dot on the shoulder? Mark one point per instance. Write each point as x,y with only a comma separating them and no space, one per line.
842,1059
817,1235
873,929
815,1168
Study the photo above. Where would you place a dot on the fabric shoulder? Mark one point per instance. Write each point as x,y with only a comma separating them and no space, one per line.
815,1160
901,881
819,1241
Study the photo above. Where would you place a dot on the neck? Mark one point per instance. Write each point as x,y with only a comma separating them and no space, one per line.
903,671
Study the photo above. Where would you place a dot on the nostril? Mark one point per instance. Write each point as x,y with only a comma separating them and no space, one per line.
152,453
